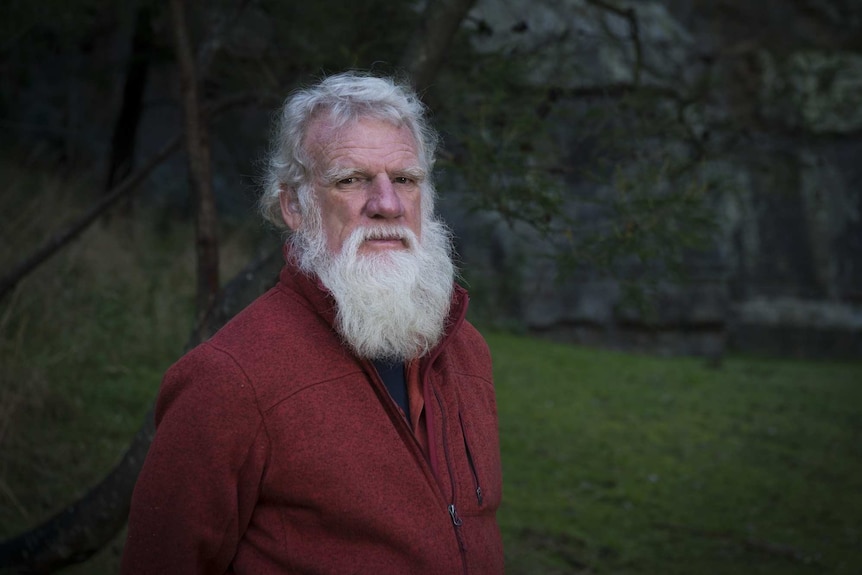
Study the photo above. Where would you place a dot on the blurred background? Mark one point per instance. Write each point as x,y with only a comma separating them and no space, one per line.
658,213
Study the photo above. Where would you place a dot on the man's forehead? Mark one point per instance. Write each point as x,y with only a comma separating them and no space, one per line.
324,136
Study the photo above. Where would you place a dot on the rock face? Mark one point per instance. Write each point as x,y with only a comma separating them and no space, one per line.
783,271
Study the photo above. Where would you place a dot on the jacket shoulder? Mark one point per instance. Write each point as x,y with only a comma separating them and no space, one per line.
469,354
280,345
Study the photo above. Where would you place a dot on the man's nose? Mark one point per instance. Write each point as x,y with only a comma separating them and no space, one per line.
383,201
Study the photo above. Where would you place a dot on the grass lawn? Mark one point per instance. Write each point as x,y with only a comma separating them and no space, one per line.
618,463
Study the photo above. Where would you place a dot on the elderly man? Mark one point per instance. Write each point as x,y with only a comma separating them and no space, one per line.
345,422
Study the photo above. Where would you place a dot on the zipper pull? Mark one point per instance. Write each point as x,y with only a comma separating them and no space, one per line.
479,495
454,514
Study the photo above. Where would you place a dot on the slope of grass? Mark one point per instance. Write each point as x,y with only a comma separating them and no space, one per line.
620,463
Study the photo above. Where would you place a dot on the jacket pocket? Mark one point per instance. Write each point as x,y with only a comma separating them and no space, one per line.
471,462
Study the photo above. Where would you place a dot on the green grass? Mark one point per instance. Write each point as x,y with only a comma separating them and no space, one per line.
613,463
618,463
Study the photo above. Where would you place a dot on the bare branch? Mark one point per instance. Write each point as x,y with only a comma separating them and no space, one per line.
62,238
620,89
634,33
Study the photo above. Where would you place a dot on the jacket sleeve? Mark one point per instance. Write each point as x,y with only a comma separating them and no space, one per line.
199,483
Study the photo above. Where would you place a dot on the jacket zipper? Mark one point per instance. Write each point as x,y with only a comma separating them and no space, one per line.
476,484
457,522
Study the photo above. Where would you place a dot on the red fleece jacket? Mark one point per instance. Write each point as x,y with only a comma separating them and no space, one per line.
277,451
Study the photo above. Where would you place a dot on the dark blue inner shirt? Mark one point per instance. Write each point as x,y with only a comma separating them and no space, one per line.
393,378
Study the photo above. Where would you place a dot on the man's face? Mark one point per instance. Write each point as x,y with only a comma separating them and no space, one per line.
366,174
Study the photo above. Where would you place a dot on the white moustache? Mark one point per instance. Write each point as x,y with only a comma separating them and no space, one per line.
399,233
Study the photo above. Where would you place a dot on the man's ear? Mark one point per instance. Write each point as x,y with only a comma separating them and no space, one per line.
290,210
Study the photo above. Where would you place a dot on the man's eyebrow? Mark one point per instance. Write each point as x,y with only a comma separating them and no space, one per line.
413,172
337,173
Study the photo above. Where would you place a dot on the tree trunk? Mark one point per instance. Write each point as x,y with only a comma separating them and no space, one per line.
200,172
424,55
121,160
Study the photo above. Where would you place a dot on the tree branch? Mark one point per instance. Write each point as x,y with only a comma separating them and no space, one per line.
53,244
62,238
634,33
424,55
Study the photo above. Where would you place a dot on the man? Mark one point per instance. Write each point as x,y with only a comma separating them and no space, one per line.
345,422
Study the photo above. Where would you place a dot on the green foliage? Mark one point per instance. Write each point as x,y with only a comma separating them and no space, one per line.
651,226
614,184
628,464
496,128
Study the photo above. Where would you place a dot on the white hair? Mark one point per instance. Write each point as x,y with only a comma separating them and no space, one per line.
342,99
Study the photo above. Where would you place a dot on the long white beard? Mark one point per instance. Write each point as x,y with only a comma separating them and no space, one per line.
391,305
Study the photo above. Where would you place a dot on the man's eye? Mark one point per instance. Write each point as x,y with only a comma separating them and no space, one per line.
348,181
403,180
